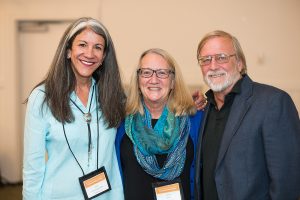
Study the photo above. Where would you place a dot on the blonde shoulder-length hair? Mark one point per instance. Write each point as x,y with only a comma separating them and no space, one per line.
180,100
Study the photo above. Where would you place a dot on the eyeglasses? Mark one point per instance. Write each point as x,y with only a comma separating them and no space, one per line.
160,73
219,58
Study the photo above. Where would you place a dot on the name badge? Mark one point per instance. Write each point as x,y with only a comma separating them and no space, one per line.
171,190
94,183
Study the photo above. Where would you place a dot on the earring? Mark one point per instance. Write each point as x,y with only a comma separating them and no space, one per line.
68,54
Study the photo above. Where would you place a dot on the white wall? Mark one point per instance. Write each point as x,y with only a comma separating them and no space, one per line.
268,30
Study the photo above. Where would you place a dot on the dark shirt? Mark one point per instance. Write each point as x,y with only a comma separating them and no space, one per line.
138,184
212,137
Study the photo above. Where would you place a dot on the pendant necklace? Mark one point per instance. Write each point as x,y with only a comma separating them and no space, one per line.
87,118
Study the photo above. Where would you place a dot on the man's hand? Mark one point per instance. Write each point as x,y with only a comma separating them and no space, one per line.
199,100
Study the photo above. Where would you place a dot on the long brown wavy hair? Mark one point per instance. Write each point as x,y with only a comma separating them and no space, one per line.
60,80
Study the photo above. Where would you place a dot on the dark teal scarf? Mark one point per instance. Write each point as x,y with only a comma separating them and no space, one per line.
169,135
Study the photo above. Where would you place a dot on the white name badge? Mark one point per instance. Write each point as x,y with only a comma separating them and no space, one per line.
168,191
94,183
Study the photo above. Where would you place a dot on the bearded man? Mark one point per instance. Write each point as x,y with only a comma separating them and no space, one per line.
250,137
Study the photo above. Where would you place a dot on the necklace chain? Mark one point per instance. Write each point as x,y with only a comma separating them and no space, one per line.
86,116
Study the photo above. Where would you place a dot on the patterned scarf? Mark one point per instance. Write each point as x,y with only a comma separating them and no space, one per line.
169,135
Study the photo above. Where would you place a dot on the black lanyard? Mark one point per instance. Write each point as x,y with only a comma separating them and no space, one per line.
87,117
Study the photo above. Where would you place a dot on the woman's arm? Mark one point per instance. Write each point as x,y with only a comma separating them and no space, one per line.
34,147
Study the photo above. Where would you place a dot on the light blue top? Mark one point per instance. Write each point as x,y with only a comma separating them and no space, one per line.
57,178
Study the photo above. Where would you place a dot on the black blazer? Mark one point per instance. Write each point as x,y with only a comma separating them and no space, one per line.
259,155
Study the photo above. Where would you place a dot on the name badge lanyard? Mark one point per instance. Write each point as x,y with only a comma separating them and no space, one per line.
88,118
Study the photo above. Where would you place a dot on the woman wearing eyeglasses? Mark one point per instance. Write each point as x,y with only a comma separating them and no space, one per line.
156,143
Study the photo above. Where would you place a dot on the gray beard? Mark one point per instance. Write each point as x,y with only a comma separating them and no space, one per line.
229,81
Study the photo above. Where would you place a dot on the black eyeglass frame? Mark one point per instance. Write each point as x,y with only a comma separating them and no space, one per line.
168,72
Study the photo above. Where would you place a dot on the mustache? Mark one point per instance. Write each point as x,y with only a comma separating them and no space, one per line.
216,73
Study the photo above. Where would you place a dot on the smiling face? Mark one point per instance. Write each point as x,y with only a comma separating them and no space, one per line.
86,54
220,77
155,90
